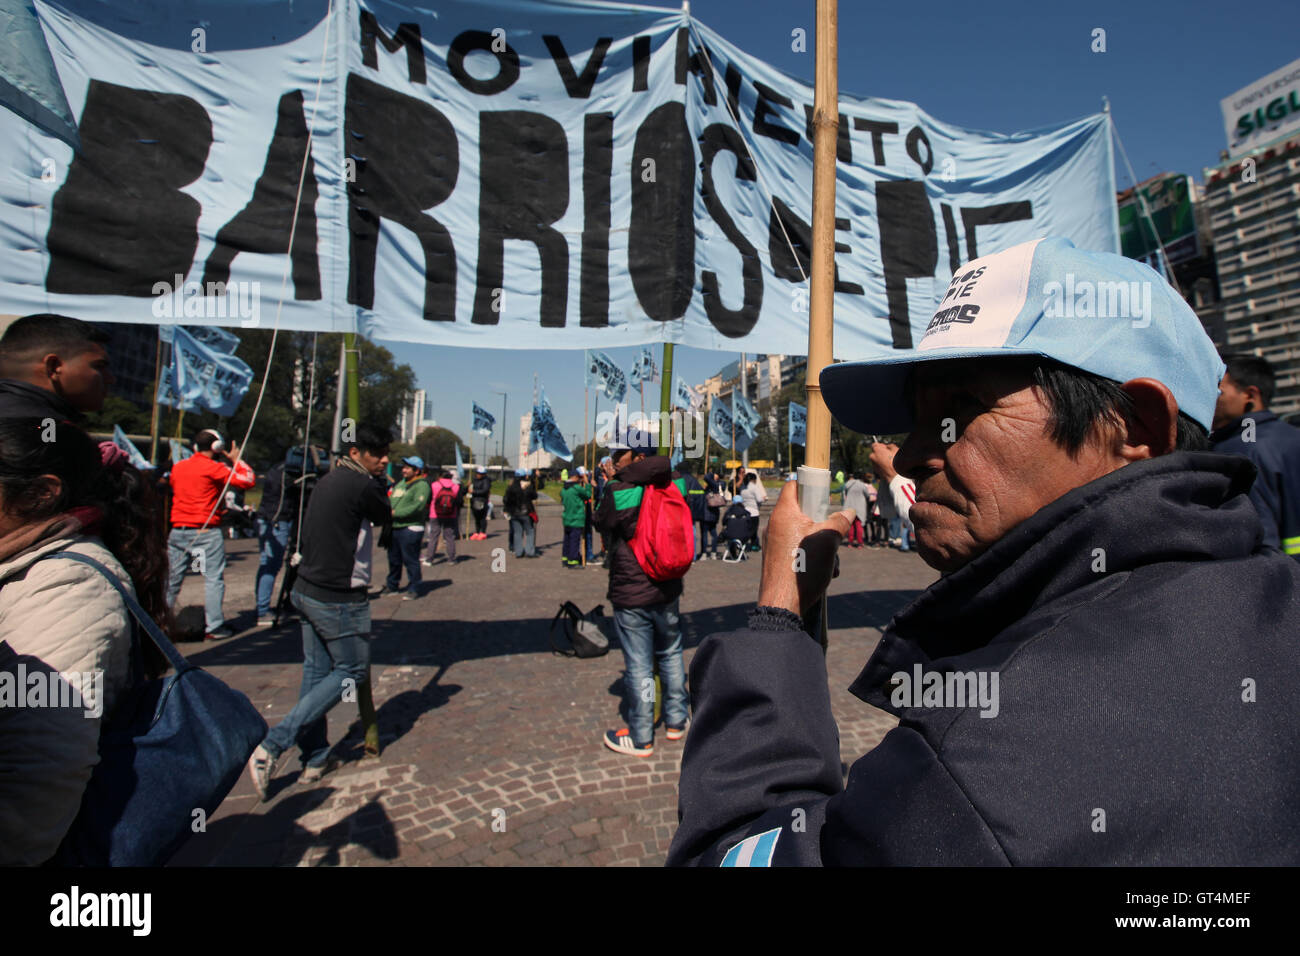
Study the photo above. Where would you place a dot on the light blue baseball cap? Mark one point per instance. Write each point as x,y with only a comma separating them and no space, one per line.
521,472
1095,311
415,461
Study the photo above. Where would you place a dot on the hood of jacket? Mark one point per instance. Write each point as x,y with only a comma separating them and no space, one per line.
1182,507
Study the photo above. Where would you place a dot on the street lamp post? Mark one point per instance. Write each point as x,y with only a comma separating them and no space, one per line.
502,453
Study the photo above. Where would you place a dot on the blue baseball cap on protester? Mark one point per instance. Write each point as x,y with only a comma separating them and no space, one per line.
1095,311
521,472
737,500
480,470
415,461
632,438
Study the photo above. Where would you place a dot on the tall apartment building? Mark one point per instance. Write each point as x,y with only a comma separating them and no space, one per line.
1253,203
416,416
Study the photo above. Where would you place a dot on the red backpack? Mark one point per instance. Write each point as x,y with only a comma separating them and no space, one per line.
664,542
444,502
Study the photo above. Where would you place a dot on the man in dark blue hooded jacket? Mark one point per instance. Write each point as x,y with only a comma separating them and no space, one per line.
1104,674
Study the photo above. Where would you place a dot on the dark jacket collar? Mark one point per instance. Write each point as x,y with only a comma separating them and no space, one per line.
21,400
1233,428
1187,506
653,470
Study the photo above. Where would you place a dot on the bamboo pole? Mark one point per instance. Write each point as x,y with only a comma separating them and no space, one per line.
814,473
821,300
666,397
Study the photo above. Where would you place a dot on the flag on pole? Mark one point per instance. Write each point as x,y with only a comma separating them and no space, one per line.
686,398
483,420
798,424
214,337
206,378
720,424
643,368
745,414
178,449
603,373
544,433
460,463
132,453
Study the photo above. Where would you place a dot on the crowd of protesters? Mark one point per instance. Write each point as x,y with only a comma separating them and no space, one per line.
62,492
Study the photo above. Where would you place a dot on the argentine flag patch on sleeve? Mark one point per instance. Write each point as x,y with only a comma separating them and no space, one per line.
753,851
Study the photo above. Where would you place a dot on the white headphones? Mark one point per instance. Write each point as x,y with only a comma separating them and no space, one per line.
216,445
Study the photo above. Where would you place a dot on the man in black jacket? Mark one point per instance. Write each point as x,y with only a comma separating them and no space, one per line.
331,593
645,610
1103,675
53,366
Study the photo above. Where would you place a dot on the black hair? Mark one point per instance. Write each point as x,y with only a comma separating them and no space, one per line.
1080,402
205,439
1247,370
370,438
131,516
47,332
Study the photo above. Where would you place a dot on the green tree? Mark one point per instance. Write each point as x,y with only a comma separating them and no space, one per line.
437,446
385,388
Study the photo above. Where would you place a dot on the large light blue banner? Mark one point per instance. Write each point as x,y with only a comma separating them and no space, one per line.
497,174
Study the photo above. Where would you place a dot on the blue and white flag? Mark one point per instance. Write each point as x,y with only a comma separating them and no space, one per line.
687,398
544,434
483,421
678,452
745,414
178,449
213,336
467,178
212,380
132,453
603,372
798,424
720,424
644,371
460,463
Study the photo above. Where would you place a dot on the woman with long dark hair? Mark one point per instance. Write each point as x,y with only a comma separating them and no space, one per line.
65,633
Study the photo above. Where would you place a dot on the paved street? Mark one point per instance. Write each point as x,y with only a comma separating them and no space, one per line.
482,724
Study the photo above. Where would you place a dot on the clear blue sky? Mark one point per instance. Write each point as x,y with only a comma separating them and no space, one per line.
1001,66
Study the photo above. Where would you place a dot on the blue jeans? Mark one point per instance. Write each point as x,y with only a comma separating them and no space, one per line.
404,549
899,529
274,539
708,529
207,550
336,659
524,536
650,634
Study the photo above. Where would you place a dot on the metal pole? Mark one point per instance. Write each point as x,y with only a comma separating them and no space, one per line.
153,419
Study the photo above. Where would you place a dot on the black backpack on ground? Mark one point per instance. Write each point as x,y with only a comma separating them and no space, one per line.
584,631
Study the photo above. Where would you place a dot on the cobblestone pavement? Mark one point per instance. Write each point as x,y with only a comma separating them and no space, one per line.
491,743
